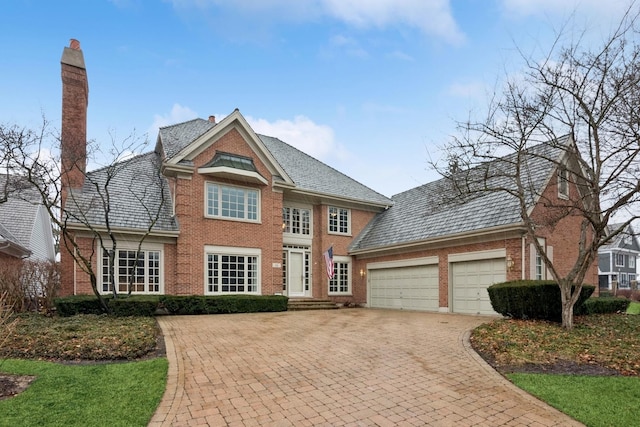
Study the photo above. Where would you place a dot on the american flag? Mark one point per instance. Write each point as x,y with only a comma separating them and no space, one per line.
328,261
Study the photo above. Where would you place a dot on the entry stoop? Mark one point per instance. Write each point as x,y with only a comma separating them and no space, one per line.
296,304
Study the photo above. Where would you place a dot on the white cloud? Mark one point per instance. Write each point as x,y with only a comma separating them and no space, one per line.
316,140
349,45
546,8
432,17
177,114
396,54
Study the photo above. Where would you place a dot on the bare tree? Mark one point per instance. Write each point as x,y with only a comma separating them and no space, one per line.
579,101
132,192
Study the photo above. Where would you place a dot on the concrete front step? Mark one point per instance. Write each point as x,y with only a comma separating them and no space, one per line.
311,304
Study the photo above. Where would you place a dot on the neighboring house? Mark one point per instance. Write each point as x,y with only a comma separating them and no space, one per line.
617,260
25,226
248,213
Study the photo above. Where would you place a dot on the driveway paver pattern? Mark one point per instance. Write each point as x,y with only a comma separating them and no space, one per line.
349,367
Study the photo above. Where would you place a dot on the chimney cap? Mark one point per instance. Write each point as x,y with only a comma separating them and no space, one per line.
212,119
74,44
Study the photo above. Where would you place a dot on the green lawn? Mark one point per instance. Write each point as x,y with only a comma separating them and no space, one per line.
634,308
113,394
594,401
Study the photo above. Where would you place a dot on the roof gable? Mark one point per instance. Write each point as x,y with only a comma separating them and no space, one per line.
183,142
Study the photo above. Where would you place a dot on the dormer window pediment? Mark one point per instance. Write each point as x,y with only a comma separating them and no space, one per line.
233,166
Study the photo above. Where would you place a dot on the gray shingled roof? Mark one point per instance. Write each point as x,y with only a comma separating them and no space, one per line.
307,172
176,137
617,241
135,192
436,210
312,175
18,213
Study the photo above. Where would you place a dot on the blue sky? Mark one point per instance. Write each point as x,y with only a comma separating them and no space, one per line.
370,87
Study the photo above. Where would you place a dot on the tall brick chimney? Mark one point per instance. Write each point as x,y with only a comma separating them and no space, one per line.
75,99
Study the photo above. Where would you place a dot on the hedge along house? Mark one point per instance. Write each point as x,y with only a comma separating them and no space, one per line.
225,210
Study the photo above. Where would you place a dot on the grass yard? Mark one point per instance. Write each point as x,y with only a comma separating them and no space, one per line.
592,400
116,394
106,383
550,363
634,308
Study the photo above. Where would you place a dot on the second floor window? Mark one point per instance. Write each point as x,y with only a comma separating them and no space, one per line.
296,220
620,260
563,182
224,201
339,221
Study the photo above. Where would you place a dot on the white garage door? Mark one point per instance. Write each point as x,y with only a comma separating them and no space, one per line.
405,288
470,282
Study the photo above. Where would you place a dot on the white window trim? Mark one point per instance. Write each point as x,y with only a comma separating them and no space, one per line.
230,250
632,261
146,247
299,235
228,218
345,260
339,233
563,170
616,255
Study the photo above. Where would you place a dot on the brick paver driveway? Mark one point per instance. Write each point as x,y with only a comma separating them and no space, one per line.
360,367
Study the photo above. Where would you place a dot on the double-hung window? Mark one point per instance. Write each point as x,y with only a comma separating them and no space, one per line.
340,284
232,270
339,220
632,261
140,270
619,260
563,182
226,201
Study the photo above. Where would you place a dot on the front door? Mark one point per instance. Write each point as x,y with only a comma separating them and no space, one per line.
296,275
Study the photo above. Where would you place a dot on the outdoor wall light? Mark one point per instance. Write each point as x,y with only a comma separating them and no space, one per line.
362,272
509,262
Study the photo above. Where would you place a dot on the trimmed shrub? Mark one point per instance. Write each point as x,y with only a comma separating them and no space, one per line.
532,299
198,304
604,305
137,305
77,304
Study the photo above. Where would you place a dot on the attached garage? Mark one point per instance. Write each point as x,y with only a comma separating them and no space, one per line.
407,285
470,280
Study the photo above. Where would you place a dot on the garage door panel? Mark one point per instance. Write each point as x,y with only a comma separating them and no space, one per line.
409,288
470,280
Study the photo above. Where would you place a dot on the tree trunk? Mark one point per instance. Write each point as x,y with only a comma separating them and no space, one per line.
567,314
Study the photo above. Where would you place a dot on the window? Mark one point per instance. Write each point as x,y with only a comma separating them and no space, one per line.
341,282
141,270
619,260
539,267
225,201
632,277
624,280
632,261
296,220
232,271
563,182
339,220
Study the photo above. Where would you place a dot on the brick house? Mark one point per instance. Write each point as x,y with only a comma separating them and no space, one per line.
227,210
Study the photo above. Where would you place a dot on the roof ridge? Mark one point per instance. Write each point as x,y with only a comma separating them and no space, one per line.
121,162
323,163
181,123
